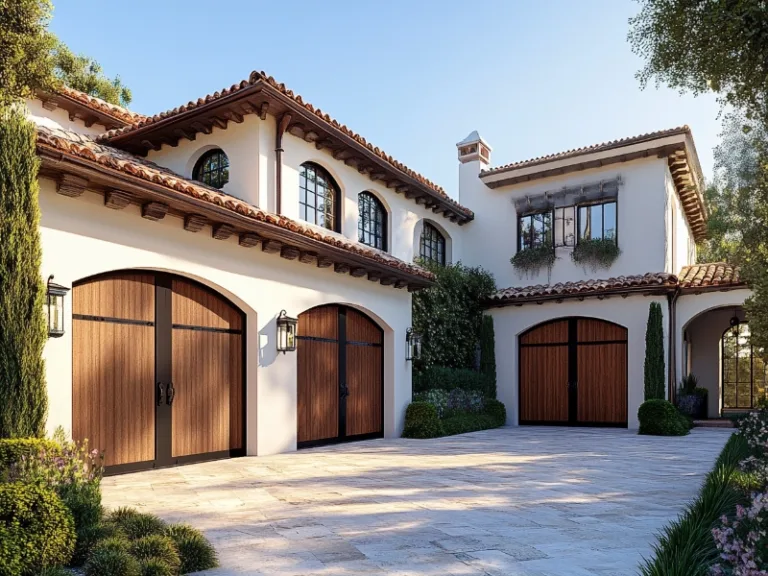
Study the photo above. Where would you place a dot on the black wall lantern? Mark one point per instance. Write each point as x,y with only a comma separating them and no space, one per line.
55,308
286,333
412,345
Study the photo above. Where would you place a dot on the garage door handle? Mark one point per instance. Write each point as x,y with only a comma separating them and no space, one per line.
171,393
159,393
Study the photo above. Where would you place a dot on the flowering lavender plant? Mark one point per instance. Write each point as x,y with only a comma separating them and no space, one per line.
754,429
742,543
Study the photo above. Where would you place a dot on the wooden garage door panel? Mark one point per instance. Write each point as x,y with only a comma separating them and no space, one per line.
544,383
112,388
126,296
602,383
592,330
318,390
554,332
195,306
361,329
364,407
204,378
320,323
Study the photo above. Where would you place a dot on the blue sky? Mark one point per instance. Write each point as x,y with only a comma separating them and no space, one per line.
412,76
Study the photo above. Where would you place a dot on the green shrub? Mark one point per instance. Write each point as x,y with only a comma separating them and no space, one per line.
13,449
54,571
84,502
654,377
463,423
661,418
155,567
36,529
195,551
113,543
488,354
443,378
113,562
497,411
421,421
135,524
595,253
156,547
530,261
701,392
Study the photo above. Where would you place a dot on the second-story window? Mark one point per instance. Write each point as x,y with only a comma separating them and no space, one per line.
432,245
318,197
372,221
534,230
598,222
212,168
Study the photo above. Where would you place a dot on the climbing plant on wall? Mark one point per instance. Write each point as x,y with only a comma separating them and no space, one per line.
654,377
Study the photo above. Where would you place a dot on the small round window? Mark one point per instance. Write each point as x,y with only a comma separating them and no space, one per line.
212,169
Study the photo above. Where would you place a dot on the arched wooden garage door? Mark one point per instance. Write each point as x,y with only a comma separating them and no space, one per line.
157,370
340,376
573,371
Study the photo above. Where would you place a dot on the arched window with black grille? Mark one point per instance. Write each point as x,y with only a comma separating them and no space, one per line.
432,245
318,197
212,168
372,221
744,371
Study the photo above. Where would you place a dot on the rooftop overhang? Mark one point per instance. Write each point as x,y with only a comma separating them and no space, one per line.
677,149
263,99
274,235
79,110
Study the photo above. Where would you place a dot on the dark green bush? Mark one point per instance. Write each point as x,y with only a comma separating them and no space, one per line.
110,561
113,543
654,375
464,423
13,449
442,378
156,547
497,411
36,529
155,567
488,352
421,421
195,551
135,524
84,502
54,571
661,418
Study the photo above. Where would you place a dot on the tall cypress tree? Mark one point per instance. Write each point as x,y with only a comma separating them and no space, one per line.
654,354
488,349
23,331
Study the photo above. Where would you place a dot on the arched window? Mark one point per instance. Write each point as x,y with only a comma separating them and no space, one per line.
318,197
744,371
432,245
212,168
372,221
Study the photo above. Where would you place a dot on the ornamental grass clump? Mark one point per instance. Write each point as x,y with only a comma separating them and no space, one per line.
195,551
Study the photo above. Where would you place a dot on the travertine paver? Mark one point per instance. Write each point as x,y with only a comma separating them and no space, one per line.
511,501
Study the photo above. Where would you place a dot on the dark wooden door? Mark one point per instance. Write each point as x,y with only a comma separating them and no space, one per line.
157,370
574,371
340,376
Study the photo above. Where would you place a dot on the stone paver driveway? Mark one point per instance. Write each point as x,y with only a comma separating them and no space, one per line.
511,501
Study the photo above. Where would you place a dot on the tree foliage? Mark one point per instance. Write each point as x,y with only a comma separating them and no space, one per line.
654,376
32,58
23,330
449,315
706,45
488,348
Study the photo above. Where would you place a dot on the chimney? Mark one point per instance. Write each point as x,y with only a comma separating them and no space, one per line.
473,148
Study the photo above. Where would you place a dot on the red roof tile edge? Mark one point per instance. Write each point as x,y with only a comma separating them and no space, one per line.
82,147
711,274
118,112
588,149
269,80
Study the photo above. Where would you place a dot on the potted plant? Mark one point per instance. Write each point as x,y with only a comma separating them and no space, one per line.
691,399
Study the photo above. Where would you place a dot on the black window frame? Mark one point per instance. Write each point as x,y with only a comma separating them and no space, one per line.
369,205
736,382
330,184
602,203
203,174
437,244
520,218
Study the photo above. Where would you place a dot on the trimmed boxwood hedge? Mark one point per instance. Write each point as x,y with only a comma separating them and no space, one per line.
36,529
661,418
442,378
421,420
13,449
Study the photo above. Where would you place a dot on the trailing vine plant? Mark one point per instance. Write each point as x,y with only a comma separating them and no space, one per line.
596,253
530,261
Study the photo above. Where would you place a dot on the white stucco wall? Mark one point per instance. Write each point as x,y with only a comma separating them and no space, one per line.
250,147
680,249
80,238
492,241
630,312
59,118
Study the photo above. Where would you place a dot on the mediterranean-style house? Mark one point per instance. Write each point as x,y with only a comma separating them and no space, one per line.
189,239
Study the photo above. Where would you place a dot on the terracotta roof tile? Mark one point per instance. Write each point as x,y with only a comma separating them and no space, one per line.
709,275
118,112
86,148
263,77
588,149
583,287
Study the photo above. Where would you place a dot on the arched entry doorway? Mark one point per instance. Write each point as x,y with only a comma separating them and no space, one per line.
573,371
157,370
340,376
744,371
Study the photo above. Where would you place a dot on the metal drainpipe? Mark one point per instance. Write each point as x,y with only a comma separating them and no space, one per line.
672,352
282,125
